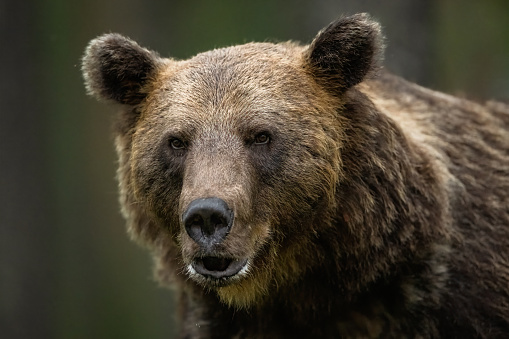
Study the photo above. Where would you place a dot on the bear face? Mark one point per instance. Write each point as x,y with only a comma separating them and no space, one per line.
237,139
213,152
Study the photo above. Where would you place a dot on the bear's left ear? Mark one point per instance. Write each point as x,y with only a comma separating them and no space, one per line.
117,68
345,52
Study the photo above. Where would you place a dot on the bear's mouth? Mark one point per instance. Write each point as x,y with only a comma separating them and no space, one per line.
218,267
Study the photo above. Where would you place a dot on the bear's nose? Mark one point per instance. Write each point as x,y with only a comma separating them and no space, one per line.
208,221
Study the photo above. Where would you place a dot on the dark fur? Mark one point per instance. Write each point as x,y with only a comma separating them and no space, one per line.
117,69
379,209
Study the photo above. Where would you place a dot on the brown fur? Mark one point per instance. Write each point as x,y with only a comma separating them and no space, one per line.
377,209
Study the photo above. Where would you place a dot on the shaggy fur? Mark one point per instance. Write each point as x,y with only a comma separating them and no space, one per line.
364,207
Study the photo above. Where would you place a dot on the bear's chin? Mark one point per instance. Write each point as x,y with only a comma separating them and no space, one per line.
240,283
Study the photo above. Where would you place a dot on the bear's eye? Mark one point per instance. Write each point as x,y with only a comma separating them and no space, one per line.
262,138
177,144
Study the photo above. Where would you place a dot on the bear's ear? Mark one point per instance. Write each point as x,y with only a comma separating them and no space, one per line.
345,52
117,68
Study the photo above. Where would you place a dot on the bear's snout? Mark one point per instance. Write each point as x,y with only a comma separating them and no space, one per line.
208,221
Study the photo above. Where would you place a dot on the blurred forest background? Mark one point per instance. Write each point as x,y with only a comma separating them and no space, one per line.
67,267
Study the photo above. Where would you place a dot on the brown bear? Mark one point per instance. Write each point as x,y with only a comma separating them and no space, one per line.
292,191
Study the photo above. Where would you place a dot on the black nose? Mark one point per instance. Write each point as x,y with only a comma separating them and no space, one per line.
208,221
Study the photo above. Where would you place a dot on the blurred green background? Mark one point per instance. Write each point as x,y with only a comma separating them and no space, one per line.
67,267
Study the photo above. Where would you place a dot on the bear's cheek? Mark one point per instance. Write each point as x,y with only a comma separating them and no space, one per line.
156,183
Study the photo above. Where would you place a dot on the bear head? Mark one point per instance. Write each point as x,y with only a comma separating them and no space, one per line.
230,161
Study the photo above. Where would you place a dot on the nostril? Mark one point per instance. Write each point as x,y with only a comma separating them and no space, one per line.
207,221
197,220
216,223
196,225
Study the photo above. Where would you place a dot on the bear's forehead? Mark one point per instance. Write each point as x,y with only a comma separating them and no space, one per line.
251,53
254,62
253,74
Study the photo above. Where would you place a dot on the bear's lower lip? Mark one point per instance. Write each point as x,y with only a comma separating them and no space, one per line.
218,267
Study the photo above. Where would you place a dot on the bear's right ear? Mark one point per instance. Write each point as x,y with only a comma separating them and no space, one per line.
117,68
345,52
